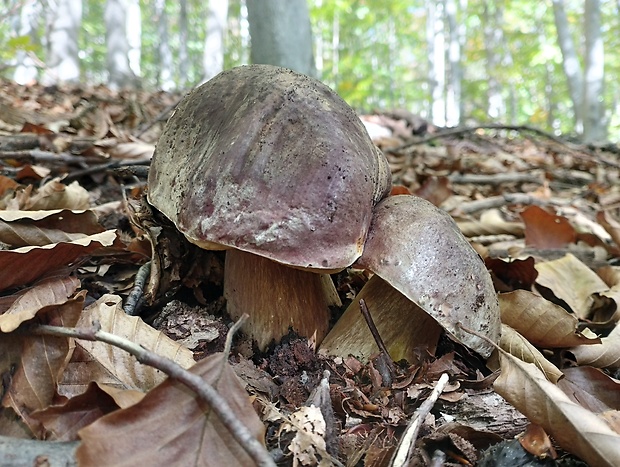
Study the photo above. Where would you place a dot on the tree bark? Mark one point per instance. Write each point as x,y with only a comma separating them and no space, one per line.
435,38
119,71
26,26
594,126
62,42
213,57
281,34
183,38
164,54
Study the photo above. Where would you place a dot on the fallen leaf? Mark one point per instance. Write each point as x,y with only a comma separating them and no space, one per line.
572,281
603,355
171,427
574,428
544,230
541,322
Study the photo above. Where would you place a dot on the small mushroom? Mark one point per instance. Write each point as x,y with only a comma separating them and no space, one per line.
418,250
275,168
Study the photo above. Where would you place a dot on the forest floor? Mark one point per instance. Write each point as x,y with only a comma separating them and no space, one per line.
543,212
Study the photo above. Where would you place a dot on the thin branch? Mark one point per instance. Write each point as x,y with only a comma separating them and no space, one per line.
203,390
404,452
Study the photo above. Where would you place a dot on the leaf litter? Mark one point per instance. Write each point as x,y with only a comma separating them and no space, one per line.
543,214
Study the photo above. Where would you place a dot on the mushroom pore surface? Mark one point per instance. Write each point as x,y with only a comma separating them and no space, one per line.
270,162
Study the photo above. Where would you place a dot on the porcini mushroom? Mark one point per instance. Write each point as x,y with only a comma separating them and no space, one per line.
278,170
418,250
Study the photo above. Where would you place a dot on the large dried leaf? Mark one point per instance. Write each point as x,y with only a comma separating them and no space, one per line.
38,228
545,230
111,366
603,355
22,306
572,281
171,427
24,265
41,362
491,223
541,322
591,388
418,249
53,195
515,344
574,428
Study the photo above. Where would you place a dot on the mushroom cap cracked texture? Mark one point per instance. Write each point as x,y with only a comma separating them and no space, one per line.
419,250
271,162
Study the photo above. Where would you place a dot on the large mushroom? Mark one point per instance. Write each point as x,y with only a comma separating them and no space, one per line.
420,261
278,170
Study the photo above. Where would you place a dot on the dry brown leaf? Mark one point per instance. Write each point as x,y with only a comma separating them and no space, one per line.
603,355
544,230
611,225
132,150
541,322
26,264
572,281
24,305
491,223
574,428
37,228
515,344
591,388
111,366
171,427
42,360
53,195
63,421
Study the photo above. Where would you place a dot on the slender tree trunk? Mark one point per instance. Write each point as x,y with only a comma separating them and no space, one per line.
435,37
164,54
62,42
594,126
493,37
456,33
281,34
183,37
26,26
134,35
119,71
213,57
570,62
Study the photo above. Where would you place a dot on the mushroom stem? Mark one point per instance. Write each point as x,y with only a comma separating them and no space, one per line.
403,326
276,298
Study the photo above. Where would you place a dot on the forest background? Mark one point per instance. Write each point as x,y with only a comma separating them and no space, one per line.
551,64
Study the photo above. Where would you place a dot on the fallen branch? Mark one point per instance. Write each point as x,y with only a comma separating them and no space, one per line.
203,390
403,454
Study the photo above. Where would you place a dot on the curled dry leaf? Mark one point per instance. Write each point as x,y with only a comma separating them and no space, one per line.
603,355
41,362
132,150
37,228
515,344
26,264
24,305
111,366
541,322
574,428
53,195
572,281
171,427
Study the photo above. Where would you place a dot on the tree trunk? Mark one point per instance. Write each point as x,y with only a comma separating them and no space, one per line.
213,57
594,126
164,54
456,37
435,37
26,26
119,71
570,62
183,38
62,42
493,18
134,35
281,34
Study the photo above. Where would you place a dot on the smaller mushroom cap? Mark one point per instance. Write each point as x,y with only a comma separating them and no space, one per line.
419,250
270,162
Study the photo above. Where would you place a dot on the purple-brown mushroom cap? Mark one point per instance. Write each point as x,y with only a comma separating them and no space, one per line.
271,162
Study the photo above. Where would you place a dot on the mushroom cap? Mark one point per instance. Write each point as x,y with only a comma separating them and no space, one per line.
271,162
419,250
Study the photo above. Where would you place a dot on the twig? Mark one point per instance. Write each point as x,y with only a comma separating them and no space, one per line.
384,357
497,179
134,299
163,116
203,390
404,451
